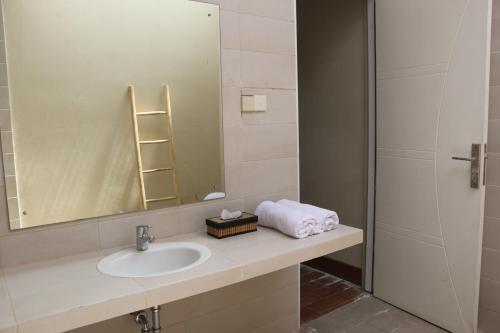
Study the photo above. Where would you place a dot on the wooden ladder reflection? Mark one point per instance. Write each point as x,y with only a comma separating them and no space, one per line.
170,141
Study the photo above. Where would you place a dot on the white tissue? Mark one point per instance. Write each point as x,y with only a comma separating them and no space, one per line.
227,215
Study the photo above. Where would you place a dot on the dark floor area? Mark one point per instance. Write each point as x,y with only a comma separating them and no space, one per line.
329,304
336,268
321,293
369,315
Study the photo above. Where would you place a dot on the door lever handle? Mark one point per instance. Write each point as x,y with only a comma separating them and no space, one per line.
475,167
467,159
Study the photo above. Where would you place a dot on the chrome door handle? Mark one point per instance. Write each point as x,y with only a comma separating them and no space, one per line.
475,167
464,159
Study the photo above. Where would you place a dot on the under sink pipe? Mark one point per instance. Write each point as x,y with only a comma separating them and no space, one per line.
155,315
141,318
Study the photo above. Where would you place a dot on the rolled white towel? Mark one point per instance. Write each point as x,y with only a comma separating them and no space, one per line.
289,221
328,218
318,226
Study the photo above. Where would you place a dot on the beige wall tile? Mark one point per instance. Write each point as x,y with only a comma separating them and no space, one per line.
288,324
264,310
281,107
231,101
27,247
494,110
230,29
278,9
496,9
492,208
177,328
233,181
493,169
491,264
490,295
489,321
123,324
495,69
95,328
232,144
264,34
232,5
231,73
120,231
494,136
491,233
192,218
263,142
174,312
251,203
264,70
229,320
270,283
260,177
214,301
495,35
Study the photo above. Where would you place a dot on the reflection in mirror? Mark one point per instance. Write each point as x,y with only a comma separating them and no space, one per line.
115,107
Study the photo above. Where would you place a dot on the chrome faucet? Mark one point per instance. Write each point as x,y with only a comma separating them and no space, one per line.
143,238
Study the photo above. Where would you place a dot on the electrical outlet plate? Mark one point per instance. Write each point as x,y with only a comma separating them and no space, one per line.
253,103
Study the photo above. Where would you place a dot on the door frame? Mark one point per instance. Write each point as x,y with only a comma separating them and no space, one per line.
372,150
371,126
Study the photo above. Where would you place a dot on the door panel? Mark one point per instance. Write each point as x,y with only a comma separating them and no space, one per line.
432,90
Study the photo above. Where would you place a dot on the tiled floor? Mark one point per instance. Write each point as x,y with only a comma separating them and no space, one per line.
369,315
321,293
354,311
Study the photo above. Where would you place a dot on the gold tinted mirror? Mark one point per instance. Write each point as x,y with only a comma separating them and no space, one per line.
114,106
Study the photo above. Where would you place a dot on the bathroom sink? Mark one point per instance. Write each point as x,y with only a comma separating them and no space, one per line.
159,259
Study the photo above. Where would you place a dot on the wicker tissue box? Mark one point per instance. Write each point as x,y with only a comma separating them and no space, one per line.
220,228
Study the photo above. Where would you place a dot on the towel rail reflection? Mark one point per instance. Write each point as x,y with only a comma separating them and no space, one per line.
173,168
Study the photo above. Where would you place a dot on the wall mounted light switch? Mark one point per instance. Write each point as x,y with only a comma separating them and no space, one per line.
253,103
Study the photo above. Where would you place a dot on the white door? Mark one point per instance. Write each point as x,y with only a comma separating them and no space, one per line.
432,91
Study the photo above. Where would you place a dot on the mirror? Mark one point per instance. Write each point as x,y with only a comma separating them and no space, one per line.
115,107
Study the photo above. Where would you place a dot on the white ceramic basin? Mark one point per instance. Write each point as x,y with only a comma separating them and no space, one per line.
159,259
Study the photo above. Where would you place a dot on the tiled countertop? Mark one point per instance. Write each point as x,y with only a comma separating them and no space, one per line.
67,293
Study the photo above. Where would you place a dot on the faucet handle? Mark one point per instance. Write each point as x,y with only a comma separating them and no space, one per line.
152,239
143,230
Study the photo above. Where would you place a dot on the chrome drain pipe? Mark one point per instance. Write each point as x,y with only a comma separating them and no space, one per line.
141,319
155,315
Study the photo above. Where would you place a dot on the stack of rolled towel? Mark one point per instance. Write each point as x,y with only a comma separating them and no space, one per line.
296,219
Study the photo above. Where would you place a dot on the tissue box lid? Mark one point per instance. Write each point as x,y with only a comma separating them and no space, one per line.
244,219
